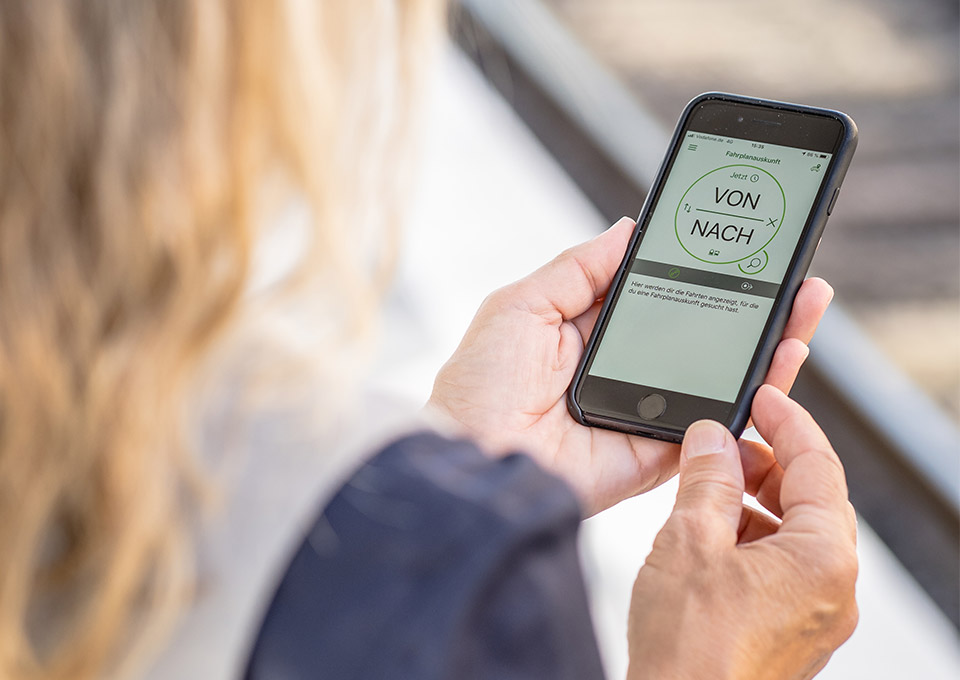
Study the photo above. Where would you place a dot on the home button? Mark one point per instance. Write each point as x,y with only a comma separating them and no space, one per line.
652,407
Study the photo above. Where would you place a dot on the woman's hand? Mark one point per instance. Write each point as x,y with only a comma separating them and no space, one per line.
506,382
729,592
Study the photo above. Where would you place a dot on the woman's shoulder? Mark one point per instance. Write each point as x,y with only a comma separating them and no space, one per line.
439,560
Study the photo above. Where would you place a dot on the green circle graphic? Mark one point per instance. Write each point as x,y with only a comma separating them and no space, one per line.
676,215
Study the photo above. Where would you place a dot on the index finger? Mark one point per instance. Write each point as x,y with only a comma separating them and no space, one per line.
811,302
572,282
813,487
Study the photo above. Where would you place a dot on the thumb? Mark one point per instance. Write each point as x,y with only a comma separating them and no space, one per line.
711,481
573,280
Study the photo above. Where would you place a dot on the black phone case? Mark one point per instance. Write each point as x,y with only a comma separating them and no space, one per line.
784,303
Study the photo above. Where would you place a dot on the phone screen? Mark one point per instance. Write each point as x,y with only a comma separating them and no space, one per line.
704,280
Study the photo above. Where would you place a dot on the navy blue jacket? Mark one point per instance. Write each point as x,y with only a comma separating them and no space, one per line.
435,561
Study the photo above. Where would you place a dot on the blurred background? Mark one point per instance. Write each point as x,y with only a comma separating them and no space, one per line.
891,250
548,121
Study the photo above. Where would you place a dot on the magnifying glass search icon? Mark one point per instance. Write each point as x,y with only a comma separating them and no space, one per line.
755,262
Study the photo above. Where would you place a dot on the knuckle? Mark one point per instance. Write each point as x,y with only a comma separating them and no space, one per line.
831,462
571,257
709,488
847,565
498,301
705,480
839,566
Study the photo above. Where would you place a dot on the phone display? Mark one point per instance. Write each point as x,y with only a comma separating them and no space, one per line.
688,328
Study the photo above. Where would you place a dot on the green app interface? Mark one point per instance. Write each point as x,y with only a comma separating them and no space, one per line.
710,265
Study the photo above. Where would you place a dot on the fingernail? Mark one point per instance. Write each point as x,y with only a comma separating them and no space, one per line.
703,438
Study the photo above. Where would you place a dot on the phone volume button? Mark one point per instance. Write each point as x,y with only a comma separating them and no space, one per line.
833,201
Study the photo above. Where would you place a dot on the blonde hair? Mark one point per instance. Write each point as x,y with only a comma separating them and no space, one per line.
135,141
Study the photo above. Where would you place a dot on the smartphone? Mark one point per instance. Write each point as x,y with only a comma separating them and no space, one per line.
722,244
